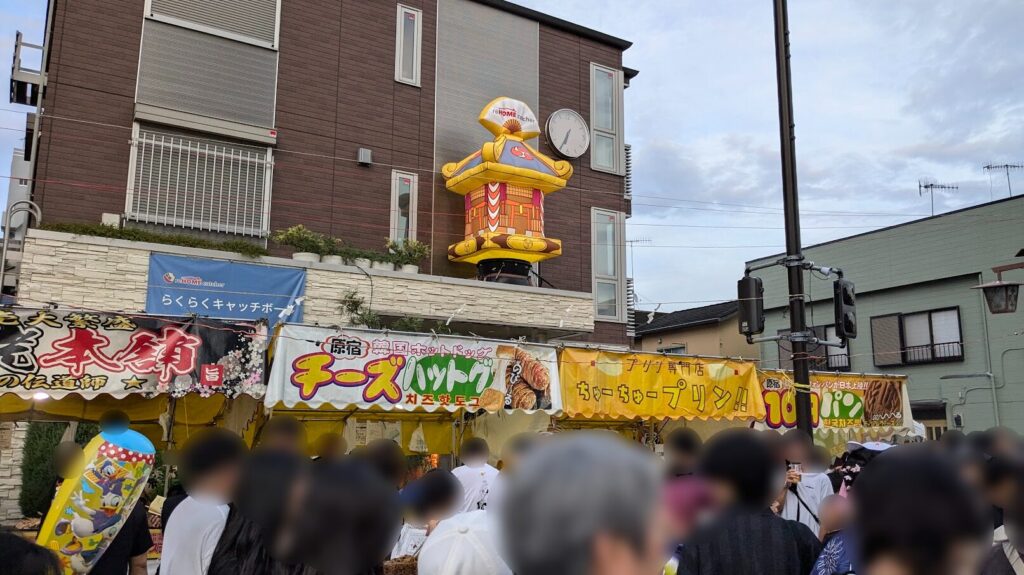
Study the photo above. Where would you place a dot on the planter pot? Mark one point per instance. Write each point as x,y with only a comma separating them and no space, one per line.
410,269
306,257
336,260
362,262
385,266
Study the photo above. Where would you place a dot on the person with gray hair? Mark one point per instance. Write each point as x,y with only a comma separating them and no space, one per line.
585,504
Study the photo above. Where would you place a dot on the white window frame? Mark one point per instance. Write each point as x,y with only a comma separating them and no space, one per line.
618,89
395,211
619,281
679,348
399,45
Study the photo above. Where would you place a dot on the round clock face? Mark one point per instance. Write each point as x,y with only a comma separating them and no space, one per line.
567,133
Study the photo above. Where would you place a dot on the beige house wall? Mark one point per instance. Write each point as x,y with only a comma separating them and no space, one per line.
720,339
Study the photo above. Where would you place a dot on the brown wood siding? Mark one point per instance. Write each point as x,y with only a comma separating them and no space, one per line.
336,93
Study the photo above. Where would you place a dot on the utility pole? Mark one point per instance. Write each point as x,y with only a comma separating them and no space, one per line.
791,210
931,187
1006,168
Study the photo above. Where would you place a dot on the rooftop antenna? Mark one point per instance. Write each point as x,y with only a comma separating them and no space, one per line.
931,187
632,259
1006,168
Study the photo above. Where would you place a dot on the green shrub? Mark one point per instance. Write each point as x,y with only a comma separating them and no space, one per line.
38,474
407,252
241,247
303,239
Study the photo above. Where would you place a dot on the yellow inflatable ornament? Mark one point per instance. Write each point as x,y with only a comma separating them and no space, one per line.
504,184
90,508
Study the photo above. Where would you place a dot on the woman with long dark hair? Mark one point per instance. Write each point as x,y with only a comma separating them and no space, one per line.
258,510
344,522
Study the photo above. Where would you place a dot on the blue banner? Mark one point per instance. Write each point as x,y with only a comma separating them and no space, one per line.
224,289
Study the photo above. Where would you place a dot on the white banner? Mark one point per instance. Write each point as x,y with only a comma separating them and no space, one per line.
364,368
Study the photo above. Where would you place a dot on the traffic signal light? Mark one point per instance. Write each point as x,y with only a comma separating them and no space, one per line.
751,305
846,312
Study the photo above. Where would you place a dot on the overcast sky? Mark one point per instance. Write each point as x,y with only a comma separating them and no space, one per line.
886,93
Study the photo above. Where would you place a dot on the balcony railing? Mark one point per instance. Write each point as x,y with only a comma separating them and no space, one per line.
934,353
26,83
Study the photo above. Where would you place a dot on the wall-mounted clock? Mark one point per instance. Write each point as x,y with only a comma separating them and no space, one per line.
567,133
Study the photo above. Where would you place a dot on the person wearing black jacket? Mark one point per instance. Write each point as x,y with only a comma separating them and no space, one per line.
746,538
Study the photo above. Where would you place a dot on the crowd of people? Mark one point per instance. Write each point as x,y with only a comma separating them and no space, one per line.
587,503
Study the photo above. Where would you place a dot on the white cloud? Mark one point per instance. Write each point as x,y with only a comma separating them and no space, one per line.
885,93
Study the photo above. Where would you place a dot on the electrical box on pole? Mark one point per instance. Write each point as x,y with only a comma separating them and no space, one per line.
750,293
845,307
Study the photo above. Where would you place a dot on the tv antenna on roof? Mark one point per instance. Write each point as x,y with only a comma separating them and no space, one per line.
931,187
1006,168
632,259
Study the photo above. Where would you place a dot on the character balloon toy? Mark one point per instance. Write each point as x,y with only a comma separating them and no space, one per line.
91,506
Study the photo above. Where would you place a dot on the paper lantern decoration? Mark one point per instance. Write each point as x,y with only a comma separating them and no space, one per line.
504,184
90,508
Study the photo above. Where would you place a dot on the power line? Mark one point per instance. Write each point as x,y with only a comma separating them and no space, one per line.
764,209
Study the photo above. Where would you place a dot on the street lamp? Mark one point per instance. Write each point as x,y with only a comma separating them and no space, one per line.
1001,296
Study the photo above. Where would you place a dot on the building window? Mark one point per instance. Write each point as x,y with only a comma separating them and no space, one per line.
607,149
674,348
407,45
934,429
932,336
821,357
187,181
837,358
403,205
609,258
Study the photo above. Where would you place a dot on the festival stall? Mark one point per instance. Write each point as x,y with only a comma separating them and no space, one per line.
844,406
643,395
74,365
416,389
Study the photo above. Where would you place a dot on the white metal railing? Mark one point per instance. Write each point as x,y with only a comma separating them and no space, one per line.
200,184
18,70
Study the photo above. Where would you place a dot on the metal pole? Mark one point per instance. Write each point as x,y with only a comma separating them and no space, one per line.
1008,185
791,209
43,76
17,207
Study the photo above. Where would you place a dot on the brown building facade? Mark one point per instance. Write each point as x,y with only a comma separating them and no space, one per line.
235,118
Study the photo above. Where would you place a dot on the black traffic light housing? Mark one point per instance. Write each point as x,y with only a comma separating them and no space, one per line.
750,292
846,313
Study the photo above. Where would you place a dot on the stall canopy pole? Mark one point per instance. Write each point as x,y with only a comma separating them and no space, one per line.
172,405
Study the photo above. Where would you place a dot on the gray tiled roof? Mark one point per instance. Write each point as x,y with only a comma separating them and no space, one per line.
708,314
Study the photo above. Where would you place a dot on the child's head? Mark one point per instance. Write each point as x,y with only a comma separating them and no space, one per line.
435,496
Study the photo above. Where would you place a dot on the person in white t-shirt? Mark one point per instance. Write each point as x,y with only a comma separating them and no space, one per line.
432,498
807,481
475,474
211,464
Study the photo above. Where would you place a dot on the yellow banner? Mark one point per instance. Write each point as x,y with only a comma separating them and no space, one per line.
839,401
646,385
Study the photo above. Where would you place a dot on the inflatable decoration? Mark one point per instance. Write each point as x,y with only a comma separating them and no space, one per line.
90,508
504,184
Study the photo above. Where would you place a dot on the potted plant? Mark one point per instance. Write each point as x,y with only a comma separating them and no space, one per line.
361,258
335,253
384,262
308,244
408,255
